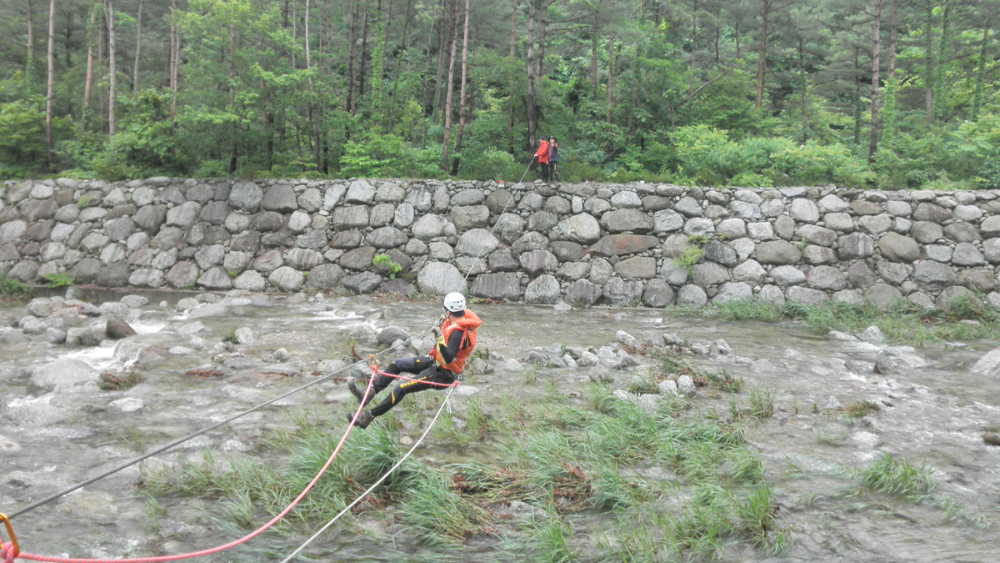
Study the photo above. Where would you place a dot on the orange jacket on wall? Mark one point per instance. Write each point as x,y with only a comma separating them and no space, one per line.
543,152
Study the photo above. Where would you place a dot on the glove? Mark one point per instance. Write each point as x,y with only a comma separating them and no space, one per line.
437,333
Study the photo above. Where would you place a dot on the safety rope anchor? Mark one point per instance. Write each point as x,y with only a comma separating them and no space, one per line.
8,551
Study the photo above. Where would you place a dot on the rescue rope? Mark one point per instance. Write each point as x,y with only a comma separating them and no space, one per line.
10,554
191,436
377,483
436,415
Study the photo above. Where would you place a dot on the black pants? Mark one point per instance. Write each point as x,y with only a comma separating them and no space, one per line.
545,171
425,370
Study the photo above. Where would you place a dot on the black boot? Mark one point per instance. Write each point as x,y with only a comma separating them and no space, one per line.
364,418
357,392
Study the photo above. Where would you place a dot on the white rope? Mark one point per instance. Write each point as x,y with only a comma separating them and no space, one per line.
438,414
497,224
377,483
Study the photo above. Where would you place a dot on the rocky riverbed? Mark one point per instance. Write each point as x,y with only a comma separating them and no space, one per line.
839,401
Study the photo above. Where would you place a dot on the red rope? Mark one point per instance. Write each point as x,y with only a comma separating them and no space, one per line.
8,559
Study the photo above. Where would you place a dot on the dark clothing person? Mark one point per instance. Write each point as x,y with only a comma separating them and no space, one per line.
425,369
553,160
456,338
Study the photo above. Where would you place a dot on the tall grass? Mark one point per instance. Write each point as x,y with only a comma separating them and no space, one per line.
902,321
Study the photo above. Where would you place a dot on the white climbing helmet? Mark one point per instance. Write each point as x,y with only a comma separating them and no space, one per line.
454,302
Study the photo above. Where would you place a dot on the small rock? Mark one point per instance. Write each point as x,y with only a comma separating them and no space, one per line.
180,351
627,339
245,335
832,403
587,359
992,438
128,404
872,334
841,336
512,365
667,387
686,385
281,355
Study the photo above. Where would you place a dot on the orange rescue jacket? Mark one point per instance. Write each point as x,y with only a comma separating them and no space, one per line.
468,325
543,152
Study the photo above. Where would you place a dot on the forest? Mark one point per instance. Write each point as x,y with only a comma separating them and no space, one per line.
887,94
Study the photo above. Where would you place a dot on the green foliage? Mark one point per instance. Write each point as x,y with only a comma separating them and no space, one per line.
386,260
12,288
890,476
689,258
61,279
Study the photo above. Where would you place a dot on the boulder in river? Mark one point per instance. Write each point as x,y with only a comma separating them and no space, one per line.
61,374
117,329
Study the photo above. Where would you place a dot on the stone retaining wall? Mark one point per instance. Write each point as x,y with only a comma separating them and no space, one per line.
581,243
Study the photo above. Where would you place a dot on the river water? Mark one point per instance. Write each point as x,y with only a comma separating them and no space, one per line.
933,416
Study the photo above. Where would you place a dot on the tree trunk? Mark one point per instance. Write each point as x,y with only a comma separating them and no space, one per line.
102,27
50,80
977,96
930,71
542,31
857,96
765,12
532,116
364,53
109,12
593,57
352,57
176,63
876,30
295,31
312,92
461,96
89,80
892,39
694,33
405,48
138,48
944,50
451,91
29,67
611,72
510,88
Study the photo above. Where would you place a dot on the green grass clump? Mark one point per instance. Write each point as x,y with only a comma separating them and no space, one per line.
61,279
887,475
9,287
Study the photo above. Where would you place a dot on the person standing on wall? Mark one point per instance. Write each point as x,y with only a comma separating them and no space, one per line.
553,160
543,158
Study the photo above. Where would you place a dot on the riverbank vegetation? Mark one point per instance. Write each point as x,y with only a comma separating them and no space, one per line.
904,322
860,93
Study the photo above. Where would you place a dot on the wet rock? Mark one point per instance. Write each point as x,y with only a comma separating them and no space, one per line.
127,405
615,359
685,386
363,283
778,252
89,336
245,335
63,374
116,329
286,278
840,336
897,361
543,289
872,334
988,364
991,438
440,278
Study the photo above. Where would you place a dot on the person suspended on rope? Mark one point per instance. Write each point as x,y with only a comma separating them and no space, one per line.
454,343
